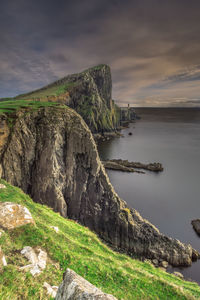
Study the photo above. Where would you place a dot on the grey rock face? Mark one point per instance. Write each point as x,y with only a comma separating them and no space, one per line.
52,156
75,287
89,93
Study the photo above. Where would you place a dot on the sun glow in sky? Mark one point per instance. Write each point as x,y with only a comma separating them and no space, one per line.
152,46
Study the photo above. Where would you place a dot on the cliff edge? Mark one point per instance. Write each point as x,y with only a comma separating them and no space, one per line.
89,93
50,153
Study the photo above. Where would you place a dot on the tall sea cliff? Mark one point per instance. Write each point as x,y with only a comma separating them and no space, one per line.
50,153
89,93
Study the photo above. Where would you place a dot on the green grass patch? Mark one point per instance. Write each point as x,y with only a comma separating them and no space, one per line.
10,107
52,90
78,248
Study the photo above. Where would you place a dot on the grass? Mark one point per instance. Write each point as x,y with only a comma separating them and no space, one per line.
52,90
9,107
78,248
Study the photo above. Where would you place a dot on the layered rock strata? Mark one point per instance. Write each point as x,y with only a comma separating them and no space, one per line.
126,166
89,93
51,154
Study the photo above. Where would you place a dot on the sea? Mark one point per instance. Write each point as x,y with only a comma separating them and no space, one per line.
170,199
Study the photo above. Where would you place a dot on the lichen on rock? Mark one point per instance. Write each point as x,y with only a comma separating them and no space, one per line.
13,215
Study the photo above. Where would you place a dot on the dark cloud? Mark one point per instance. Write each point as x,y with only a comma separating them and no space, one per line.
152,46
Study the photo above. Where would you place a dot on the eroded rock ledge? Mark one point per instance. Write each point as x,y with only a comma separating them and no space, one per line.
51,154
126,166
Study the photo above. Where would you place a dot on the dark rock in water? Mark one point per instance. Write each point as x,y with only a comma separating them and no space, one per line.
125,165
130,133
196,225
51,154
119,167
107,135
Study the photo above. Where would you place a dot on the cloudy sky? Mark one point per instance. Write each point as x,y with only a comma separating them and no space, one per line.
152,46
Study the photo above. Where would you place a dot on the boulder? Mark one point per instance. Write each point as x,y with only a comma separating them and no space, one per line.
178,274
164,264
13,215
77,288
2,186
196,225
155,262
37,261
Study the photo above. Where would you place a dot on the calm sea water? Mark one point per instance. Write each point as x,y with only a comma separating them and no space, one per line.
171,199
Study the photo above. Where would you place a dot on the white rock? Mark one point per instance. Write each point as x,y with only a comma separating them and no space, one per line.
4,261
30,254
35,270
2,186
26,268
55,228
1,232
51,290
76,287
37,262
42,259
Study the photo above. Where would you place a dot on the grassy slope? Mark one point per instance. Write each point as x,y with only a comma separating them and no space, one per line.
52,90
12,106
78,248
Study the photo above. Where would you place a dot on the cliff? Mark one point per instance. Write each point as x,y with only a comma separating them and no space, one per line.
50,153
89,93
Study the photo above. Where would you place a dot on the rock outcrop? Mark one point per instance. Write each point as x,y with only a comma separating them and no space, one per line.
13,215
51,155
126,166
128,114
77,288
37,260
51,290
89,93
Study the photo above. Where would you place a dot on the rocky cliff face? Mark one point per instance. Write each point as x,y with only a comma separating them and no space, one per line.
50,153
89,93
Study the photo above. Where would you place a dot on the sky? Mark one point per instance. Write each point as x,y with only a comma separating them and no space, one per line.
152,46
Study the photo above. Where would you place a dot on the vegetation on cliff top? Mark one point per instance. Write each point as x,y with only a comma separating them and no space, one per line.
76,247
58,87
8,107
88,93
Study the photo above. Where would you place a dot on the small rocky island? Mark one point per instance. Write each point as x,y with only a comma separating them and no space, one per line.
126,166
